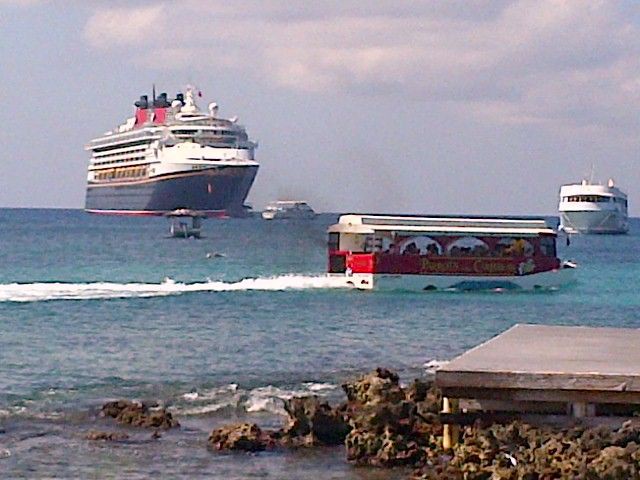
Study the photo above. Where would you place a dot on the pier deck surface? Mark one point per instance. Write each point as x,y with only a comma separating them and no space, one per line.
552,363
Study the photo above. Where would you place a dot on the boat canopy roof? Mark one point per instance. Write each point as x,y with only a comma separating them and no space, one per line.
453,226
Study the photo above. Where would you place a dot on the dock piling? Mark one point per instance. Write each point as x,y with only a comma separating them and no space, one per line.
450,431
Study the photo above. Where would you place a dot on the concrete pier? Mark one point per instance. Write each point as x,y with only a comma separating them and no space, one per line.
575,372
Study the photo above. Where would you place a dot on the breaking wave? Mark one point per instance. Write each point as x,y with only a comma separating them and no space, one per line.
432,366
229,399
36,292
262,399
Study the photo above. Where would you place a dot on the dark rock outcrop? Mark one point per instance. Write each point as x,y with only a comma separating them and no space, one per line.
311,422
106,436
384,424
381,386
521,451
390,426
139,415
381,424
247,437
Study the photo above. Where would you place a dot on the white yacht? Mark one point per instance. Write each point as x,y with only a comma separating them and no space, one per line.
593,208
288,209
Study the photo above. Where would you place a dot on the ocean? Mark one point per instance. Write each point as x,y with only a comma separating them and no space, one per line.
99,308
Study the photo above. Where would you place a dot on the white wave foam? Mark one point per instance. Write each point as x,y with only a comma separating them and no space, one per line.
432,365
211,394
262,399
34,292
24,412
318,387
270,399
200,410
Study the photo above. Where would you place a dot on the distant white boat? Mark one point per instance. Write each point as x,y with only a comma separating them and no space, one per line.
288,209
593,208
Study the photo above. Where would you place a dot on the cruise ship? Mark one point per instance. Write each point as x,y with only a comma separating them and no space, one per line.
593,208
170,155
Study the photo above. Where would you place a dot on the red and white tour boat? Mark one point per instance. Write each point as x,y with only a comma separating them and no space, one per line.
424,253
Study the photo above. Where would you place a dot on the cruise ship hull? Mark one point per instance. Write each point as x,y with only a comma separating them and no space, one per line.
594,221
217,191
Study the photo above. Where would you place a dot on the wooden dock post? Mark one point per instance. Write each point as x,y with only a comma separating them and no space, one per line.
450,431
582,409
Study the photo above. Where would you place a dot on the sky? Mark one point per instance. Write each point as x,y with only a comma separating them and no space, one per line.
424,106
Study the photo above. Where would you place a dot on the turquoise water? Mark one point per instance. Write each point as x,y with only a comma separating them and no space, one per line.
97,308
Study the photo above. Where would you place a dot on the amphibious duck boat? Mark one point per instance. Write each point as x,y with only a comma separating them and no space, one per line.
425,253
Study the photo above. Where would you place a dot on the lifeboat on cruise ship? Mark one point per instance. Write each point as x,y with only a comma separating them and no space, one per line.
433,253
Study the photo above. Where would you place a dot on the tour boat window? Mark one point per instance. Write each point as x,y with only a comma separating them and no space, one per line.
337,263
334,241
420,245
514,247
386,244
468,247
372,244
369,244
548,246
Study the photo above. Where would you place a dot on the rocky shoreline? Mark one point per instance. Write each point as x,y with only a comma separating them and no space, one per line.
382,424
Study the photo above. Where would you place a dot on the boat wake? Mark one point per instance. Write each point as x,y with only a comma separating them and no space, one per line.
45,291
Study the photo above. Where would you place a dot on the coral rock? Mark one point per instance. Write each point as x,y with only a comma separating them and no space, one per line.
139,415
106,436
312,422
246,437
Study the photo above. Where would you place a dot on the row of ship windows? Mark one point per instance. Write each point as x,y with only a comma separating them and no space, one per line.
135,150
119,143
594,199
129,140
202,132
127,172
208,141
118,160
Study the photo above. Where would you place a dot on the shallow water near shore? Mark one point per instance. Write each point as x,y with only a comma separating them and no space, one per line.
99,308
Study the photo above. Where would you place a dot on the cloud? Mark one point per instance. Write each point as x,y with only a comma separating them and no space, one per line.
564,62
20,3
123,26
